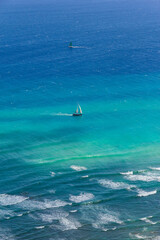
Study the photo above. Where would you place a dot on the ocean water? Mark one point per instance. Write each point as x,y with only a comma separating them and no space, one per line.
95,177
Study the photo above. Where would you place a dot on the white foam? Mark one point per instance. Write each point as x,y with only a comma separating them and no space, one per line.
147,220
69,224
43,205
6,199
20,215
55,204
155,168
6,214
105,218
141,171
40,227
138,236
52,174
78,168
81,198
86,176
115,185
99,217
65,221
144,178
52,191
142,193
127,173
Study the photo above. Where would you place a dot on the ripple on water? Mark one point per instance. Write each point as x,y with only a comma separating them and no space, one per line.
5,234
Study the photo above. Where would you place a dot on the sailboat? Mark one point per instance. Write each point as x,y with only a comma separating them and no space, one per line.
70,45
78,111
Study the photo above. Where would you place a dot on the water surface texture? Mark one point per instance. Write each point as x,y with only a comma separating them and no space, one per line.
94,177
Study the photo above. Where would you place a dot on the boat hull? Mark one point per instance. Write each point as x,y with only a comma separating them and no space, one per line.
77,114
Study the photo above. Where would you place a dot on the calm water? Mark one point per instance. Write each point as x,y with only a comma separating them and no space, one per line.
96,177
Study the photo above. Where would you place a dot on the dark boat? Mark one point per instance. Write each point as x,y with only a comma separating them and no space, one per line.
78,112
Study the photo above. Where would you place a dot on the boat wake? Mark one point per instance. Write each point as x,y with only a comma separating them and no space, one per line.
80,47
62,114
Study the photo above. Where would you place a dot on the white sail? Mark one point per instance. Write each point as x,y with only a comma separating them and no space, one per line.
77,110
80,109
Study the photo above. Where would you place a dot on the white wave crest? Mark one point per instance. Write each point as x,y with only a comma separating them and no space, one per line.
65,221
86,176
69,224
52,174
147,220
142,193
100,217
115,185
40,227
33,205
54,215
138,236
127,173
6,214
6,199
144,178
73,211
78,168
105,218
81,198
155,168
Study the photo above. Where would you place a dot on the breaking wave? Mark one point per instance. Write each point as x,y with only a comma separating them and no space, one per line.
100,217
144,178
33,205
69,224
142,193
147,220
155,168
64,221
81,198
127,173
6,199
115,185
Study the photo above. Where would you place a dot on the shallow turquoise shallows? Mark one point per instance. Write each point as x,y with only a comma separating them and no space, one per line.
94,177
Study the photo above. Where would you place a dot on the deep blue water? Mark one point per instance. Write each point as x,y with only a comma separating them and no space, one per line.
95,177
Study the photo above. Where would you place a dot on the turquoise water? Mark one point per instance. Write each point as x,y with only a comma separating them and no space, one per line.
96,176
